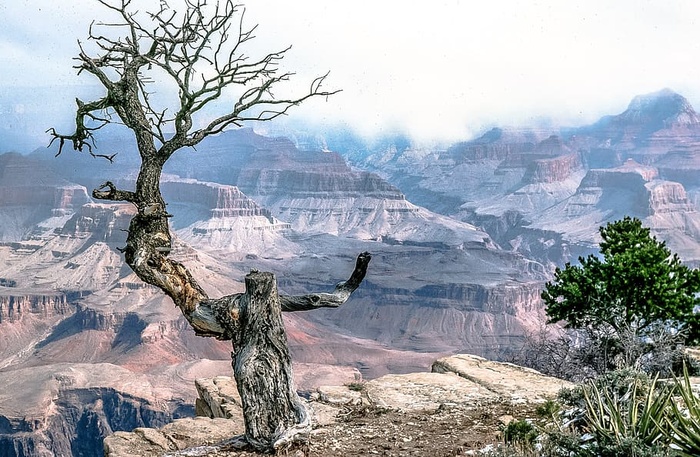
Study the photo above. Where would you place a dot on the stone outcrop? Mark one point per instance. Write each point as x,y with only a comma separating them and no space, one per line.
317,192
567,184
656,111
681,164
668,197
510,382
621,188
105,222
221,217
486,318
462,381
552,170
651,125
218,397
221,200
629,175
262,166
68,198
202,435
629,190
495,145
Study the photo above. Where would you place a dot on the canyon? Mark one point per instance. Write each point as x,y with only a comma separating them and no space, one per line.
462,238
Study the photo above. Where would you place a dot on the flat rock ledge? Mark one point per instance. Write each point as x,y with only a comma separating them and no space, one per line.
455,381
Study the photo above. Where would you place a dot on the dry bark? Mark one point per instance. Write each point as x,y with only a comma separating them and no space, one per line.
178,45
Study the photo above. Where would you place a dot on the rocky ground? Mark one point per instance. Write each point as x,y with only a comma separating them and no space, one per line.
457,409
371,431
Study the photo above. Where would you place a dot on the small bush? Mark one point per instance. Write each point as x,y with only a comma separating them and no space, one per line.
520,434
620,414
614,382
634,419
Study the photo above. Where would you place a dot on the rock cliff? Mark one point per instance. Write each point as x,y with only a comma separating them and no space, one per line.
71,407
313,191
630,189
220,217
15,303
29,193
497,144
681,164
445,317
102,222
651,124
219,200
552,170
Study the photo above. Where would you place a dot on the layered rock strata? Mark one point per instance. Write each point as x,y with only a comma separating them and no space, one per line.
15,303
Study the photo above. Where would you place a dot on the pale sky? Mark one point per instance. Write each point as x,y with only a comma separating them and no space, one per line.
444,69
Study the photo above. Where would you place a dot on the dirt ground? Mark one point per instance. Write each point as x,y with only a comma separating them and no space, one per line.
371,431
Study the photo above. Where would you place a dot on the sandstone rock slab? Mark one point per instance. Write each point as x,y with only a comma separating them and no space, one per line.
218,397
176,436
508,381
424,391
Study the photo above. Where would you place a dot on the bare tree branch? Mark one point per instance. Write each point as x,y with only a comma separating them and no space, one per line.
329,300
203,56
113,194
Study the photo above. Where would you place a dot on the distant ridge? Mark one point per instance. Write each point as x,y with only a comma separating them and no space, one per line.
646,114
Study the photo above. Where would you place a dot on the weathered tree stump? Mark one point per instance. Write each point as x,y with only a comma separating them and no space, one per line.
262,366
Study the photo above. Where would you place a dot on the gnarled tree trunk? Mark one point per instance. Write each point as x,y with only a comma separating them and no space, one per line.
197,50
262,367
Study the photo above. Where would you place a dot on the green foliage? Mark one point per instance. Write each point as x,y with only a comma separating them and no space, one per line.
616,383
638,416
549,410
504,451
631,447
638,280
621,413
637,291
684,419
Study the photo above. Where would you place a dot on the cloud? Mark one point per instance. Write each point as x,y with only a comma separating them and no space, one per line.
441,69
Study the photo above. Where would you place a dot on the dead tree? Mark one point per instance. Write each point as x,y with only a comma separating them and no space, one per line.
200,50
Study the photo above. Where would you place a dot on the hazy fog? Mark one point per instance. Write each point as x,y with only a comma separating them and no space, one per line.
440,70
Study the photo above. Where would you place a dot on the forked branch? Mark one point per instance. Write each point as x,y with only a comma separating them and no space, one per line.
83,137
203,55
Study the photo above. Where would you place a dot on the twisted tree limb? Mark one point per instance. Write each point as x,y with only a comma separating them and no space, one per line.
274,415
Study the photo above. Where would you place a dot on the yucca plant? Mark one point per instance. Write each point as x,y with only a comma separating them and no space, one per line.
684,420
639,414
